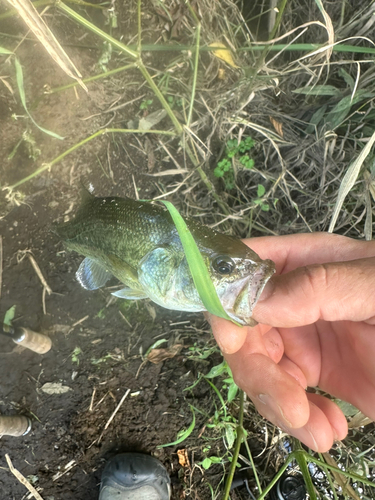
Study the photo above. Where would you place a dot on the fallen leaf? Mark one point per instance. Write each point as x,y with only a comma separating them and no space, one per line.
359,420
159,355
223,53
183,458
152,119
55,388
277,126
221,74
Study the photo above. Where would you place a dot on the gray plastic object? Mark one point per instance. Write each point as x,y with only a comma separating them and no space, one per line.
289,487
134,476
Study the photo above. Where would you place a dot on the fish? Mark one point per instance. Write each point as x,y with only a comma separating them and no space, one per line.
137,243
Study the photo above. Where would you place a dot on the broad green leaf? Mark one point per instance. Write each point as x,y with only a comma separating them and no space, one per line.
9,315
206,463
182,435
232,392
197,266
217,370
348,409
230,436
342,109
349,80
261,190
316,118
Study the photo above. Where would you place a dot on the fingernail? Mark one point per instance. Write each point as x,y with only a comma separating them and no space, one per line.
267,291
267,400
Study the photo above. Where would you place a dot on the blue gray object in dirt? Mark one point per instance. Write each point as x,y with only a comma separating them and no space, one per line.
289,487
134,476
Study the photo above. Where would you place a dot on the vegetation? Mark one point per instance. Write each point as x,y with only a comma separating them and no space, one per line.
295,115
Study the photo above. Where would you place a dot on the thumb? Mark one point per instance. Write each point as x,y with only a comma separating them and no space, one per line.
331,292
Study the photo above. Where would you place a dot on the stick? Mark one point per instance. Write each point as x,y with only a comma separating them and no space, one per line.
39,273
116,409
22,479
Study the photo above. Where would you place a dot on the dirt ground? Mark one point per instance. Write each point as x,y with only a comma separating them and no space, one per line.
98,342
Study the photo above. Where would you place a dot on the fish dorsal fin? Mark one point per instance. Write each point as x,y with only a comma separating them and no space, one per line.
130,294
92,275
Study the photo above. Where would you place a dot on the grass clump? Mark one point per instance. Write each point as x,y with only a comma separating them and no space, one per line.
235,152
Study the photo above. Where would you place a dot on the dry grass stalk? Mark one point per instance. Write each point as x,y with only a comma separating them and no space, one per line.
34,21
116,409
20,257
22,479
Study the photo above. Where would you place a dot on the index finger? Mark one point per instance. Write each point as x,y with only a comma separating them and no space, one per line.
297,250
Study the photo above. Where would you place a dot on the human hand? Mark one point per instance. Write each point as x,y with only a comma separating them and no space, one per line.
316,329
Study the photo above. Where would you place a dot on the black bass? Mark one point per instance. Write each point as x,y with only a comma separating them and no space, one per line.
138,243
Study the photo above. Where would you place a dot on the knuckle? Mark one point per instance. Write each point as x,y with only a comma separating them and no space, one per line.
318,277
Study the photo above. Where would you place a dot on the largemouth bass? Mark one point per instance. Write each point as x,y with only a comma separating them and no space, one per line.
138,243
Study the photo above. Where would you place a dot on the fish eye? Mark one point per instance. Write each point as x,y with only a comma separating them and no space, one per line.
223,264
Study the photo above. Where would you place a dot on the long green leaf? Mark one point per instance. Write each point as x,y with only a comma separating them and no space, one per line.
21,90
182,435
197,266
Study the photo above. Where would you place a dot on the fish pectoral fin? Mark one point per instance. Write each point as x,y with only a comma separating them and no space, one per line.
92,275
130,294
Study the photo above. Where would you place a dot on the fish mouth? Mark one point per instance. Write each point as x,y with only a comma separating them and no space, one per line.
241,296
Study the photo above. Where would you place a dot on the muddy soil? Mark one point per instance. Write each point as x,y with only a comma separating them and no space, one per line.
99,343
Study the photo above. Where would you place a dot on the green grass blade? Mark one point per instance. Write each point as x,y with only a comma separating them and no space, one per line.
197,266
301,461
184,434
5,51
21,90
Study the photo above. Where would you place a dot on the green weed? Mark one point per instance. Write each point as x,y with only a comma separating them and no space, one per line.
146,104
235,152
75,355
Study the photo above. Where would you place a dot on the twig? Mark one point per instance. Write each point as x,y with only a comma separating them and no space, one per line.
36,269
22,479
91,407
116,409
77,323
124,318
67,468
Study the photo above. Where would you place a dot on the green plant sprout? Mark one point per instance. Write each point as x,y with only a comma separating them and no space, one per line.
258,200
9,316
146,104
234,151
75,355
